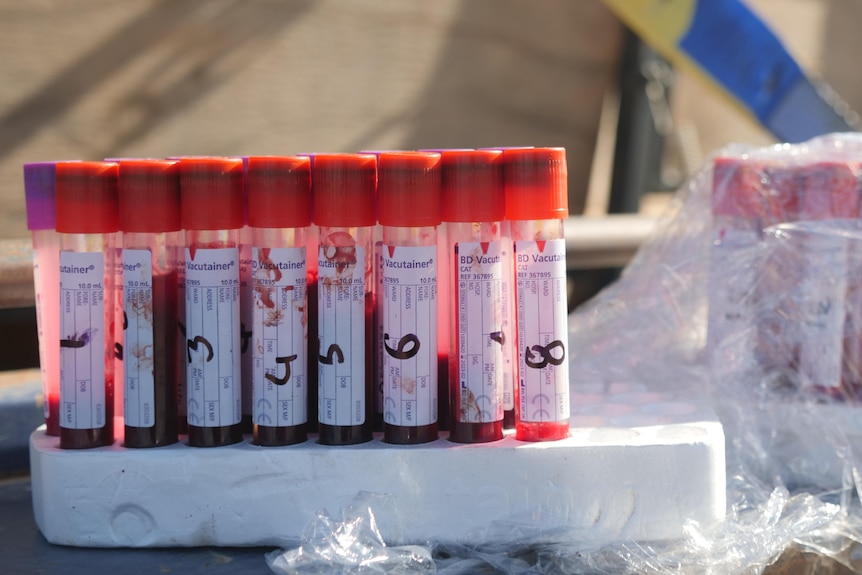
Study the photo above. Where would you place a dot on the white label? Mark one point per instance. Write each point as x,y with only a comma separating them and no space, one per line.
731,333
139,396
821,331
341,321
279,336
378,328
506,330
82,340
212,334
410,335
479,331
542,330
182,340
246,314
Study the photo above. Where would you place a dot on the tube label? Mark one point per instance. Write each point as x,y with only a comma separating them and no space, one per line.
212,337
139,397
410,335
82,340
279,336
506,330
479,331
182,375
341,317
246,315
542,330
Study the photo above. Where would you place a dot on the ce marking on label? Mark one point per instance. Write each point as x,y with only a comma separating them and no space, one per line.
545,352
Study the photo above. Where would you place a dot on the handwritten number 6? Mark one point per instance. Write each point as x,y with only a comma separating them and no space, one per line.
399,352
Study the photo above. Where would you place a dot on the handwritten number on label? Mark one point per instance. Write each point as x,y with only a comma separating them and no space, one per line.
546,354
281,380
193,345
399,352
333,350
498,336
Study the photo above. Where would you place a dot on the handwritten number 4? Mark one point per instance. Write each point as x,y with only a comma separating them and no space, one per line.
281,380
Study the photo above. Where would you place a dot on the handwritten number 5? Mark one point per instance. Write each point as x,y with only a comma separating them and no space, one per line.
332,351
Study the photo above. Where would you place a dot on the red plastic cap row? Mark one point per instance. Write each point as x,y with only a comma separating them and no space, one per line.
829,190
86,197
472,186
279,191
408,189
536,182
149,196
344,188
211,193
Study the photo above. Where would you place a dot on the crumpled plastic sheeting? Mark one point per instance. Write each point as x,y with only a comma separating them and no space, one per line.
794,470
351,545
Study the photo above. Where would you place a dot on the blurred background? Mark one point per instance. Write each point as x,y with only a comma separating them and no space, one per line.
152,78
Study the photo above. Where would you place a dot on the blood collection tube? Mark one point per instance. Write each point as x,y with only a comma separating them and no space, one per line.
41,221
444,284
211,197
311,251
473,208
738,215
246,301
86,201
279,196
344,187
408,188
149,208
535,180
829,191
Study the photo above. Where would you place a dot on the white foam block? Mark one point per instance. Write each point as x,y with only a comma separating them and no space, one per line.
635,468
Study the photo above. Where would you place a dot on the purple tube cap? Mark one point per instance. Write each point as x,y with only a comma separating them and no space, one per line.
39,195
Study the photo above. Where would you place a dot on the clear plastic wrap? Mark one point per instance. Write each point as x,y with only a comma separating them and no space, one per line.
750,294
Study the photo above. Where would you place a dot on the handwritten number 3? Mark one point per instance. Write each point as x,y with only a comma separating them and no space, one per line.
193,345
545,353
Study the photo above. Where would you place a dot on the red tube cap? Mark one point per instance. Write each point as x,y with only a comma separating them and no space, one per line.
536,183
86,197
408,189
279,191
211,193
344,188
737,188
829,190
149,193
472,186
